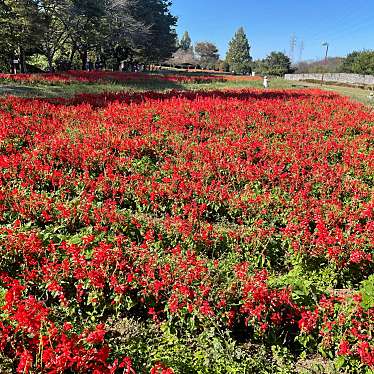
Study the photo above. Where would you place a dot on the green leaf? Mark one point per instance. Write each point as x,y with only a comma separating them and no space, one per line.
367,292
339,362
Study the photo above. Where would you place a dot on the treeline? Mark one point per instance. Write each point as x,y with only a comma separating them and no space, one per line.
204,54
357,62
276,63
67,34
238,59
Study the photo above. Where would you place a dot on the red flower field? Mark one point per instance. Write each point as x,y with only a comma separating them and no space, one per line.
79,76
249,212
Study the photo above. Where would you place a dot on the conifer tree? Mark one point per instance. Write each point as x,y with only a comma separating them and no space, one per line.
186,42
238,56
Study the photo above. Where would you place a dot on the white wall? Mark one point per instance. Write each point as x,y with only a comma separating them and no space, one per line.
334,77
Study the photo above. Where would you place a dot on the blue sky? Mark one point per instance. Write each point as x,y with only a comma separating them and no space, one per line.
347,25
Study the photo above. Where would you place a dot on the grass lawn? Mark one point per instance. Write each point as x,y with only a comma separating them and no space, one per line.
358,94
69,90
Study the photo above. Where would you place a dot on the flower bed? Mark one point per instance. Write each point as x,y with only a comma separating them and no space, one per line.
239,212
79,76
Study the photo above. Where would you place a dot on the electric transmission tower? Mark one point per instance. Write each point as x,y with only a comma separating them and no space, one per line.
292,47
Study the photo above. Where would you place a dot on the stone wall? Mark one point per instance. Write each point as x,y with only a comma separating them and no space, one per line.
334,77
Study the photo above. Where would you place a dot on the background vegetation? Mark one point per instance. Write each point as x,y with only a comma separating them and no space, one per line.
85,34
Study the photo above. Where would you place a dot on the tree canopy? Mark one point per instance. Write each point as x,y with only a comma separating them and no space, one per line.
22,26
238,56
185,43
207,53
276,63
359,63
329,65
73,33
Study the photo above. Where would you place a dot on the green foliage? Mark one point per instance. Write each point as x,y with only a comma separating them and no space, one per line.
186,42
110,31
161,42
238,56
212,351
331,65
208,54
359,63
38,61
306,285
347,66
21,26
367,291
277,63
364,63
224,66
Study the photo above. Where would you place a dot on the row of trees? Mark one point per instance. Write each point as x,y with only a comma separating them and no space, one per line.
329,65
357,62
276,63
238,58
66,34
205,54
78,33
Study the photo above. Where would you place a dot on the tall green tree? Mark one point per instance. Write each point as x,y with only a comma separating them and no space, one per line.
124,35
161,42
208,54
21,28
185,43
347,66
238,56
276,63
83,20
132,31
55,34
364,63
359,62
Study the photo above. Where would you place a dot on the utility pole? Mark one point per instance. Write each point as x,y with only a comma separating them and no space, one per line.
325,44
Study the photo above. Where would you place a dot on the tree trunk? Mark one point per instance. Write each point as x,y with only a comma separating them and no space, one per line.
84,58
72,54
50,62
22,60
12,66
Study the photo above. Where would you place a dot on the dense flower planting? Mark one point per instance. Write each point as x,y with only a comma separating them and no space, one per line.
248,212
242,78
80,76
